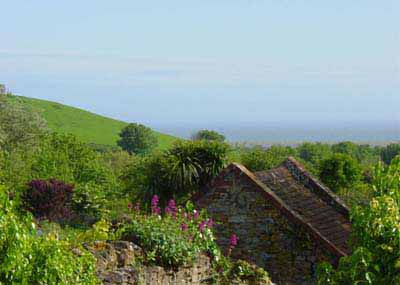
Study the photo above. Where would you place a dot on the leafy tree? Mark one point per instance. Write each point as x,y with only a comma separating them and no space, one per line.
258,158
208,135
389,152
19,125
339,171
137,138
313,152
376,236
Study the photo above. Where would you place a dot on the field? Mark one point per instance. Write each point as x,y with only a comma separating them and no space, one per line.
87,126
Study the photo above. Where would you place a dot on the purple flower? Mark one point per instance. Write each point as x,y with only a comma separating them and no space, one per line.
233,241
184,227
130,206
154,201
171,208
210,223
154,205
202,226
190,237
196,215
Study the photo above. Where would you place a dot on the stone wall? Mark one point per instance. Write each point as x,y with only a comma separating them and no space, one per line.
266,237
117,263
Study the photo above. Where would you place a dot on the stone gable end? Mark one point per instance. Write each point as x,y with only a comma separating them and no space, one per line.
271,234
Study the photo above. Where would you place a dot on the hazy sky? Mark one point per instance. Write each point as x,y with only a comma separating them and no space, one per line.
207,61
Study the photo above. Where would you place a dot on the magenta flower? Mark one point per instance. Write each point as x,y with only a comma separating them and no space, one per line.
130,206
202,226
171,208
210,223
154,205
233,241
154,201
196,215
184,227
190,237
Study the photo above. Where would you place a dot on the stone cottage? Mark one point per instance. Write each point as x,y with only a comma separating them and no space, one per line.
286,221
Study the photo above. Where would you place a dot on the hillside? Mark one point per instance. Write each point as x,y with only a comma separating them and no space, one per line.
87,126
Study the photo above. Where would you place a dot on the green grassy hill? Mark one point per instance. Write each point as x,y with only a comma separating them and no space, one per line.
89,127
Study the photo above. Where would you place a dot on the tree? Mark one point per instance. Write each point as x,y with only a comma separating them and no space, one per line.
208,135
258,158
137,138
339,171
389,152
19,125
376,235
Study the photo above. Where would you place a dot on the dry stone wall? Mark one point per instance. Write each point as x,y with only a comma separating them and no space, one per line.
118,263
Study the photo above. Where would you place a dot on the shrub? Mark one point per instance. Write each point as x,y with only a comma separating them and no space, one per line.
26,258
137,138
208,136
389,152
258,158
48,199
177,172
339,172
376,236
173,239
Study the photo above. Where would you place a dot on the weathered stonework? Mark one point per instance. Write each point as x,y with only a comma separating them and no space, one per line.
271,234
117,263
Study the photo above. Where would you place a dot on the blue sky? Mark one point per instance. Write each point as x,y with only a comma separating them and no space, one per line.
208,62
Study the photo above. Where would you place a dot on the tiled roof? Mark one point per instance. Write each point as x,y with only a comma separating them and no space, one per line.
316,205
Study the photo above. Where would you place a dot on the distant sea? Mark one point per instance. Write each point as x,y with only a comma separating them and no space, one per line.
292,133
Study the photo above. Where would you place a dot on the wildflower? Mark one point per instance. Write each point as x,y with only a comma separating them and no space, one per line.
190,237
130,206
233,241
171,208
154,205
202,226
196,215
184,227
210,223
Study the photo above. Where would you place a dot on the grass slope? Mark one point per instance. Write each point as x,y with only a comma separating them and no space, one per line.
87,126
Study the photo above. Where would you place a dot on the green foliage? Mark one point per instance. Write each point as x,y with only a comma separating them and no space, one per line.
313,152
208,135
339,171
86,126
258,158
171,240
18,124
376,234
137,139
26,258
178,172
229,272
389,152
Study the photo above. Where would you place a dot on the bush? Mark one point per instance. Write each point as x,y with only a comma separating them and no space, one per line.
26,258
137,138
376,236
339,172
389,152
178,172
258,158
173,239
48,199
208,136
